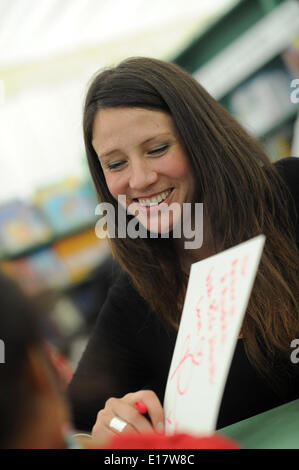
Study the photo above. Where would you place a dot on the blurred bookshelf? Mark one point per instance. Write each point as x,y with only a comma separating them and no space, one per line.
247,60
50,242
48,245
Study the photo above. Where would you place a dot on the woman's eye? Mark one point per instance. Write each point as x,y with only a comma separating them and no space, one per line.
159,149
114,165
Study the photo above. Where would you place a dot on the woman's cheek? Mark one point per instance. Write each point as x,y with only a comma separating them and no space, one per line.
113,185
176,166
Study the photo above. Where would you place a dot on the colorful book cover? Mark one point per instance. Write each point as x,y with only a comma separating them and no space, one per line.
21,226
49,269
38,272
81,253
68,205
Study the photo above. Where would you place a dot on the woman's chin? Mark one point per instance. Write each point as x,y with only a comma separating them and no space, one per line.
160,228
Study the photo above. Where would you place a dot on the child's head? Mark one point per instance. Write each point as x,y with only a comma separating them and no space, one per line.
32,408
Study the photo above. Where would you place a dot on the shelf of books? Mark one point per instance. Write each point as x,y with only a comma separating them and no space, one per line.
50,243
249,61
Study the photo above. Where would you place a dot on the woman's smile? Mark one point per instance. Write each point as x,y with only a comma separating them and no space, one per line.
154,199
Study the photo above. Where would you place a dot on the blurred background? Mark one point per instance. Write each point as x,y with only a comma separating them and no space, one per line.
244,52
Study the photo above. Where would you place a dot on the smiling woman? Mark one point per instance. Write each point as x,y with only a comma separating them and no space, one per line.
155,137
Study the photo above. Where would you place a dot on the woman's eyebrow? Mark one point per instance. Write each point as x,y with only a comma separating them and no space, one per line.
155,137
110,152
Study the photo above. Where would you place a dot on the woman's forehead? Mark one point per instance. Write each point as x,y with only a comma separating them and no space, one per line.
113,126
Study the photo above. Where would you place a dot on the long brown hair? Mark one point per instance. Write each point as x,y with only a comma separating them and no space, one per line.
243,192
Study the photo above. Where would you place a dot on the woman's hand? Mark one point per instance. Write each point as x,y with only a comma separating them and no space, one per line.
124,409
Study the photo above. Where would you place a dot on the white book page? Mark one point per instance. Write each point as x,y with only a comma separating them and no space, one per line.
216,300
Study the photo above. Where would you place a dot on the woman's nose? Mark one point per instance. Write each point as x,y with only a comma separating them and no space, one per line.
141,176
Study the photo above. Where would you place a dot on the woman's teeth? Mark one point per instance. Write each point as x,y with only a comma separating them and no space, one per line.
155,200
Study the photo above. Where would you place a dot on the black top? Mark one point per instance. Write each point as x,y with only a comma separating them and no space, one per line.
130,349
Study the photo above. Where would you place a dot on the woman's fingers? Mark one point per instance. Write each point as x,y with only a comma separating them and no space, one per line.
101,433
153,405
121,416
125,410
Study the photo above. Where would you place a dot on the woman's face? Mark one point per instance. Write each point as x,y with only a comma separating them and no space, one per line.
143,159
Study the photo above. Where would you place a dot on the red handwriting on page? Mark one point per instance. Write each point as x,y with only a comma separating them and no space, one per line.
212,312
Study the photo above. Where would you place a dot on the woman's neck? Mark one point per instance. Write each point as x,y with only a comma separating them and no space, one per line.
189,256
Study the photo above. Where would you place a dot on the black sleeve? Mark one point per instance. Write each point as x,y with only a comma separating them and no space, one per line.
119,357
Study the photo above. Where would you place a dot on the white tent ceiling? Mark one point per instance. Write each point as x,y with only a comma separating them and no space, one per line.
33,29
49,49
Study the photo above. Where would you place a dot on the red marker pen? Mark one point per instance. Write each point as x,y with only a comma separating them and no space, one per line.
141,407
